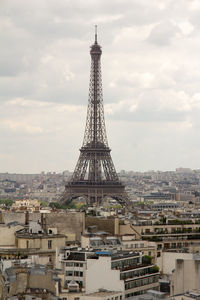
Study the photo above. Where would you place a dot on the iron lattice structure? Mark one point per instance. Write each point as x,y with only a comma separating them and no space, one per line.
95,176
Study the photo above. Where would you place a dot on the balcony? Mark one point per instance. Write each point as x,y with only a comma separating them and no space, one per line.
136,274
173,231
140,282
170,237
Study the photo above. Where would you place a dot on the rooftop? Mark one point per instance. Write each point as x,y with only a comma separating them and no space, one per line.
79,254
24,234
123,254
103,293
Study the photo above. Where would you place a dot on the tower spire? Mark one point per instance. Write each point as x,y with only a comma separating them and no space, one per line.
95,34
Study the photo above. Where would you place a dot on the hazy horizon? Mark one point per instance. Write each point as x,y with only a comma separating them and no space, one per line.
118,171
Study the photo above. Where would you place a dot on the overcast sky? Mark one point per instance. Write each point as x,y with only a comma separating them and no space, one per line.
151,82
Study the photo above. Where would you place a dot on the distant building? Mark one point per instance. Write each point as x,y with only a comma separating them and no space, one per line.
26,204
183,170
165,205
176,234
39,240
29,281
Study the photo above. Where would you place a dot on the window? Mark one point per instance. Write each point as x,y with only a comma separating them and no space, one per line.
80,282
49,244
76,264
69,273
69,264
76,273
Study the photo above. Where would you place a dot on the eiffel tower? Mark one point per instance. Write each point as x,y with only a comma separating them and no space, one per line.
95,177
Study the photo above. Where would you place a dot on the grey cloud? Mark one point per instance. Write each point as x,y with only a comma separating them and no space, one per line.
150,73
163,33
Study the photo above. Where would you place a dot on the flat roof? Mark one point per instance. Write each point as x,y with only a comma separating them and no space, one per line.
124,254
104,293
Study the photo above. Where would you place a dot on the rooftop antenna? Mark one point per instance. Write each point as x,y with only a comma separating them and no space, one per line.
95,34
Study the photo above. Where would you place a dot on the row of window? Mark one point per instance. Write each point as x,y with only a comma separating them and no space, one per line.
137,293
49,244
76,298
170,230
141,282
125,263
134,294
74,273
73,264
134,246
115,298
136,273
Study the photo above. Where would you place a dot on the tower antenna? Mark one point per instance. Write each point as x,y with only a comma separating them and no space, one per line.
95,34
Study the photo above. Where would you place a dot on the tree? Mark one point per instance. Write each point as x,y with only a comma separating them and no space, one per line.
43,204
6,202
146,259
155,269
55,205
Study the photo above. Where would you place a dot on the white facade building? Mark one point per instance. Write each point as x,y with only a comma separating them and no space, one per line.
107,270
99,275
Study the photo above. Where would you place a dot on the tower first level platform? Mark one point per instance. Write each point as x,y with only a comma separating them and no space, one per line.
95,192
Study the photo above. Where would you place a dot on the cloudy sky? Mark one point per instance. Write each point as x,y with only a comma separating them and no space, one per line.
151,80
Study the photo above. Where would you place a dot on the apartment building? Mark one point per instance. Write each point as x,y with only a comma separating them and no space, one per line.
186,276
125,242
170,236
120,271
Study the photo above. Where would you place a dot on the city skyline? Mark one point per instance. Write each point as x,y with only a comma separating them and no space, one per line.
150,68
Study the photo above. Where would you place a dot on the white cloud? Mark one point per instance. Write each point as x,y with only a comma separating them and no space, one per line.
22,127
194,5
106,18
150,67
186,27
